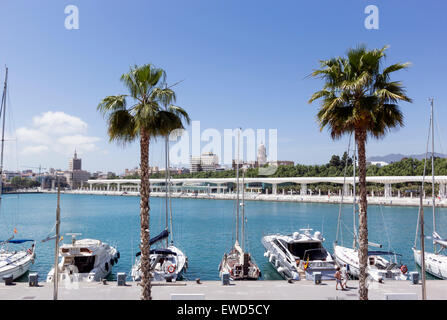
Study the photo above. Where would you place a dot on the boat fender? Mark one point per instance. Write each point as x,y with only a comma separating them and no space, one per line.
281,269
116,260
112,262
171,268
267,254
404,269
277,263
271,258
118,255
106,266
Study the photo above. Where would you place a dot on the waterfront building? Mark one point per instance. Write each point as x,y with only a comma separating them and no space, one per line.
75,176
262,155
377,163
208,161
281,163
75,163
8,175
248,164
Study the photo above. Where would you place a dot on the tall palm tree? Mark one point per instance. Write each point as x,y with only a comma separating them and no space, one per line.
359,97
144,119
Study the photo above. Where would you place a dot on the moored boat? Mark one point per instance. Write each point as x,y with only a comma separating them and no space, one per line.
299,255
85,260
14,262
238,262
167,263
436,261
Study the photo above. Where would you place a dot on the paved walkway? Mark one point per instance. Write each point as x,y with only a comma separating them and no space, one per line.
214,290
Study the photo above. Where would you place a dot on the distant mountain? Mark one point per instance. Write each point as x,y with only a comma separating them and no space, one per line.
394,157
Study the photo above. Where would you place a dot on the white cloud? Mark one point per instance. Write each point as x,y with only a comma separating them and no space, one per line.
59,123
78,141
32,135
34,149
56,132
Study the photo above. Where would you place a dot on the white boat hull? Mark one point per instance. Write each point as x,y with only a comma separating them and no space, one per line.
349,256
105,257
435,264
288,268
179,261
16,264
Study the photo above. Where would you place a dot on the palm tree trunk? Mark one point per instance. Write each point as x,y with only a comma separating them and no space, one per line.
144,217
360,136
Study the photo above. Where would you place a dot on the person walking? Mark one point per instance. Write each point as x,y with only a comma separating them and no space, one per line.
344,275
338,279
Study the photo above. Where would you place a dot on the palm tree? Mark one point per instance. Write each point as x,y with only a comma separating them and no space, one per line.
359,97
144,119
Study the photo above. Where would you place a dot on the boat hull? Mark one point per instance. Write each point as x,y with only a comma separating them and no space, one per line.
349,256
17,267
180,262
289,269
105,258
435,264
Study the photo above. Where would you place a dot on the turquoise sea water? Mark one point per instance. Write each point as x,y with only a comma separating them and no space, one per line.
203,229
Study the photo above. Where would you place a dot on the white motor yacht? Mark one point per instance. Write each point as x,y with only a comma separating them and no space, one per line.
85,260
299,255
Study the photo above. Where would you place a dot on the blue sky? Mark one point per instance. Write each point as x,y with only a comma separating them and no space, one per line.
244,63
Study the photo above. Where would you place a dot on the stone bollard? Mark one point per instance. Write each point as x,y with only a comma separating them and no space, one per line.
225,278
317,277
121,278
8,280
33,280
414,277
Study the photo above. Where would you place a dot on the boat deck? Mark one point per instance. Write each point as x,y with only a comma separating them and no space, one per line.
214,290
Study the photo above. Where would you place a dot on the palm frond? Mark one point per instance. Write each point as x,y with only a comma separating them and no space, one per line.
111,104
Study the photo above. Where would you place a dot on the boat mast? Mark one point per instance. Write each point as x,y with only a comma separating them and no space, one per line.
421,219
433,169
166,185
342,194
169,194
243,211
354,200
237,185
3,110
56,250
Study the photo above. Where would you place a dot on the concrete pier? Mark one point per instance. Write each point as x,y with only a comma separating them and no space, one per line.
214,290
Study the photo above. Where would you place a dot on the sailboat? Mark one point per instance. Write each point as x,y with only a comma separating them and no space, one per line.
238,263
378,268
14,262
436,261
168,263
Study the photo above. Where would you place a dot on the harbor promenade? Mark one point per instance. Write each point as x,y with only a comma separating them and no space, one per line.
214,290
376,200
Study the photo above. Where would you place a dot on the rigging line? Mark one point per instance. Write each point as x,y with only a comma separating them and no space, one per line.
439,132
347,228
342,194
423,181
385,227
